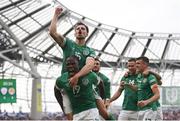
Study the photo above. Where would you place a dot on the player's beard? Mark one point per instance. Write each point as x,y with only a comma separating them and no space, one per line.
80,37
96,70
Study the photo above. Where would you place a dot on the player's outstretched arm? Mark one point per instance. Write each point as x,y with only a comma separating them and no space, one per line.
116,95
53,27
154,98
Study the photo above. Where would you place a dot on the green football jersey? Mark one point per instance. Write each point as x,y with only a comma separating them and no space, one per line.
130,96
158,104
144,90
106,83
82,95
71,48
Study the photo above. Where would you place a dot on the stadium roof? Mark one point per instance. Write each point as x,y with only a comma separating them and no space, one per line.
29,21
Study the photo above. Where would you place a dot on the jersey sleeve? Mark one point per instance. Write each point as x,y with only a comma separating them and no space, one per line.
152,79
59,84
95,78
92,53
67,43
123,78
107,86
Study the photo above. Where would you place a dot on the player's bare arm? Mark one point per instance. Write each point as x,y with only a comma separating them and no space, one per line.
53,27
117,94
154,98
85,70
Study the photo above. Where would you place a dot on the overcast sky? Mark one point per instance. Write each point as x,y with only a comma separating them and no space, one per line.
135,15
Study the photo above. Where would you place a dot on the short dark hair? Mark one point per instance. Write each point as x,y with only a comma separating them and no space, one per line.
132,59
144,59
81,23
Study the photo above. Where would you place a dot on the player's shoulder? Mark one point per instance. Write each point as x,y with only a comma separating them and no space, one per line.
62,78
91,74
64,75
68,43
103,76
89,48
126,77
68,40
150,76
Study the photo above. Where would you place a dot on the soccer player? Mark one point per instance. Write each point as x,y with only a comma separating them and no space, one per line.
78,48
159,82
104,93
82,95
104,78
148,91
128,85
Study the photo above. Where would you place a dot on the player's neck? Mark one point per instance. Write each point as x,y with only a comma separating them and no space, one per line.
80,42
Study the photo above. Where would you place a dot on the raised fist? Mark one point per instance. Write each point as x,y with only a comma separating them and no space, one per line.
58,10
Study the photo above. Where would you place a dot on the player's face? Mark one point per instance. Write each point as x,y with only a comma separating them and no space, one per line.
96,66
140,65
72,65
132,66
81,32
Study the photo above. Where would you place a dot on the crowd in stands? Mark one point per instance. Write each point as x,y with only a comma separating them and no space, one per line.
171,114
13,116
168,114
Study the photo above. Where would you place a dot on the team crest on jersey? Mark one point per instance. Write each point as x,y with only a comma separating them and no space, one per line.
77,54
85,82
145,80
131,82
85,52
76,89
